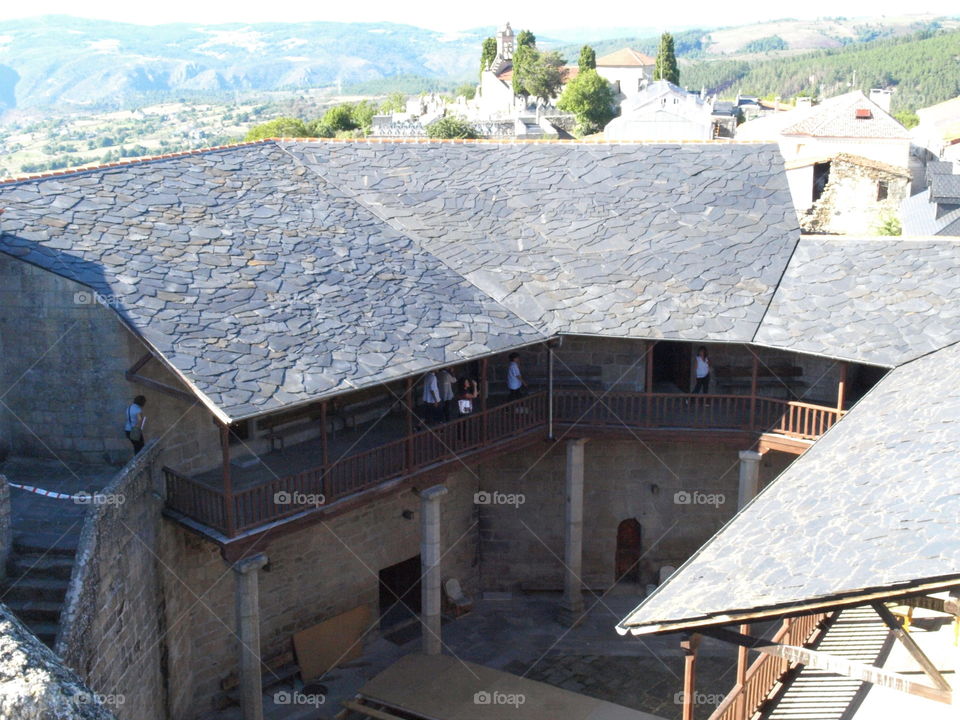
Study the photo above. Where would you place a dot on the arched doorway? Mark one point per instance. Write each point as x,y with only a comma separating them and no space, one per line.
629,540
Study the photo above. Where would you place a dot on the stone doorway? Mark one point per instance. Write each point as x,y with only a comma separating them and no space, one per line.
399,594
629,541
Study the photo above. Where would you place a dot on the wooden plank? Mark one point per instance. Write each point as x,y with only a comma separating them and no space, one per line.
910,644
948,606
160,387
332,642
834,664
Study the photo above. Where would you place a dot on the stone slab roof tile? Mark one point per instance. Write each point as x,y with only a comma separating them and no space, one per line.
553,218
849,516
878,301
276,262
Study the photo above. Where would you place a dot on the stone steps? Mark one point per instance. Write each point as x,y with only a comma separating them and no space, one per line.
38,575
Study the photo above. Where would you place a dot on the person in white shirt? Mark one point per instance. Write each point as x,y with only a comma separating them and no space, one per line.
135,420
431,397
447,395
702,371
515,383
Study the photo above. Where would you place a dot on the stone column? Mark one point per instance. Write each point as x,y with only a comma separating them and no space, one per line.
430,579
573,531
6,526
248,631
749,476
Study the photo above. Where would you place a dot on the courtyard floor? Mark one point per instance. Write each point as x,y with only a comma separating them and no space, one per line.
522,635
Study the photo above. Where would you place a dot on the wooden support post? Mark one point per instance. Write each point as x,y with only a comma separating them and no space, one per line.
408,401
689,648
743,659
484,429
842,386
550,395
908,642
227,480
324,449
753,391
648,382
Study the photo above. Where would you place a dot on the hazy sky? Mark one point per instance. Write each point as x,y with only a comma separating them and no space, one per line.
450,15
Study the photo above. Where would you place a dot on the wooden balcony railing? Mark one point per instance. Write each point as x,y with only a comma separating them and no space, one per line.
283,497
766,671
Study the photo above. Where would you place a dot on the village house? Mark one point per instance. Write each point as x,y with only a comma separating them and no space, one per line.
280,304
811,135
628,70
939,130
661,111
935,210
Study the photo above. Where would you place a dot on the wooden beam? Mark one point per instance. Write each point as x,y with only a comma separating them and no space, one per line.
160,387
769,441
910,644
842,386
753,391
408,401
139,364
834,664
227,481
948,606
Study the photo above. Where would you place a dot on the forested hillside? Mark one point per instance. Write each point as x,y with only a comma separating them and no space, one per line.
924,69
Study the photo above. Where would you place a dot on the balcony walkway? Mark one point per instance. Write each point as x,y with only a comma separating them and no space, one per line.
297,480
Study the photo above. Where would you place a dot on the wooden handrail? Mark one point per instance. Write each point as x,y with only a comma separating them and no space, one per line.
434,446
766,671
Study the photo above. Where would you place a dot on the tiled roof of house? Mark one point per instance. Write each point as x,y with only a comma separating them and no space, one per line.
625,57
870,508
945,188
260,283
919,217
852,115
880,301
673,241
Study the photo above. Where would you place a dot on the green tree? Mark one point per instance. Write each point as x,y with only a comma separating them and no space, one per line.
523,57
544,75
488,53
450,126
468,90
588,59
889,224
907,118
280,127
361,116
525,38
590,98
666,65
396,102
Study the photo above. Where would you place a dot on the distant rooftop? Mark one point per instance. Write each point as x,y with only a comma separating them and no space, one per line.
626,57
851,115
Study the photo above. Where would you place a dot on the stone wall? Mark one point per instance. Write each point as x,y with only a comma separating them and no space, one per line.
313,574
111,630
850,203
64,358
521,544
6,526
36,685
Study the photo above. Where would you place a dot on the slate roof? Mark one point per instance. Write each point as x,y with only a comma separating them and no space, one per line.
835,117
880,300
945,188
918,216
654,241
871,507
625,57
260,283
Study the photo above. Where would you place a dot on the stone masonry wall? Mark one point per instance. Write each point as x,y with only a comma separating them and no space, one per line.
522,544
112,627
313,574
64,358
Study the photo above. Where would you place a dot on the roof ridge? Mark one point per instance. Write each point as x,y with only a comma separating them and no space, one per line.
131,161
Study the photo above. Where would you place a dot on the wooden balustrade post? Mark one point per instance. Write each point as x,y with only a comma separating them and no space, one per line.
227,480
689,647
842,386
743,657
408,402
648,382
753,391
549,392
484,420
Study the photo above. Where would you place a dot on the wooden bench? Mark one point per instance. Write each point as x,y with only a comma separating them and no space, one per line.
368,410
740,377
280,427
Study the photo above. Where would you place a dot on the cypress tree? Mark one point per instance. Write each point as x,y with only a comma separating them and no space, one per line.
666,65
588,59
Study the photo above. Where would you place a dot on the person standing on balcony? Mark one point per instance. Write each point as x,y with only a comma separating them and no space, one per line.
447,396
702,371
515,382
431,397
133,427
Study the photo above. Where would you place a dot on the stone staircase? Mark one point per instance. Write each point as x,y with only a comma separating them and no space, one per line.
38,574
46,533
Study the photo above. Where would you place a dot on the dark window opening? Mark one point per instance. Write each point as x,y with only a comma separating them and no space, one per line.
882,190
821,176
